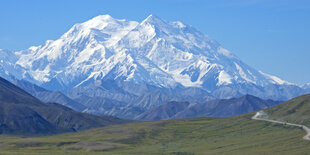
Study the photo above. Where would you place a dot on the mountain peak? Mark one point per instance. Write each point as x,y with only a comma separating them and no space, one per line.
151,16
153,19
105,17
98,21
154,52
101,22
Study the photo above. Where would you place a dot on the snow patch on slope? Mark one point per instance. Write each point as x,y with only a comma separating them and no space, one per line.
243,74
154,52
275,79
225,52
224,79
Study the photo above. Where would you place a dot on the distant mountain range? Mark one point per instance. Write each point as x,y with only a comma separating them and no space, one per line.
122,68
21,113
49,96
213,108
163,107
205,135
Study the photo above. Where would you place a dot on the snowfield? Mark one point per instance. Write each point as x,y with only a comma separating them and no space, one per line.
152,52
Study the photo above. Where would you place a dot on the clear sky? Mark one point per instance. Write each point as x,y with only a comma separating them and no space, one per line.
269,35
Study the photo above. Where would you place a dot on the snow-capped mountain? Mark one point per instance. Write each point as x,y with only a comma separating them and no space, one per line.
8,67
82,52
306,86
154,52
187,56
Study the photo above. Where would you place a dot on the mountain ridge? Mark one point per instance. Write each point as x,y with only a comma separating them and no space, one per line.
23,114
118,60
152,27
212,108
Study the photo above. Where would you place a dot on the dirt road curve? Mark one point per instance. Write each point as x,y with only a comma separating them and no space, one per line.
306,137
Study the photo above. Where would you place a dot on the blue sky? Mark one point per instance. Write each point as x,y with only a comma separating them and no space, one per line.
269,35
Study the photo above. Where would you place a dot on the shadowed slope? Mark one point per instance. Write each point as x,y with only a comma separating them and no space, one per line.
21,113
213,108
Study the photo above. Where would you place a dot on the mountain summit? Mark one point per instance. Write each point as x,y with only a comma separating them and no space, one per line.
155,52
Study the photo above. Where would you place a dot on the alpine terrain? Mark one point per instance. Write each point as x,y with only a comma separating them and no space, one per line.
119,67
231,135
23,114
213,108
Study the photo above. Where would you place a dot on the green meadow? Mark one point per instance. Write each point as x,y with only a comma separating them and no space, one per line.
235,135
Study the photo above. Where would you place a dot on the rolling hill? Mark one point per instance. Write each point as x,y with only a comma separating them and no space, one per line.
48,96
236,135
296,111
21,113
233,135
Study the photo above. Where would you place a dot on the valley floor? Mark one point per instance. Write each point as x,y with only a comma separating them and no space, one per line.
235,135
